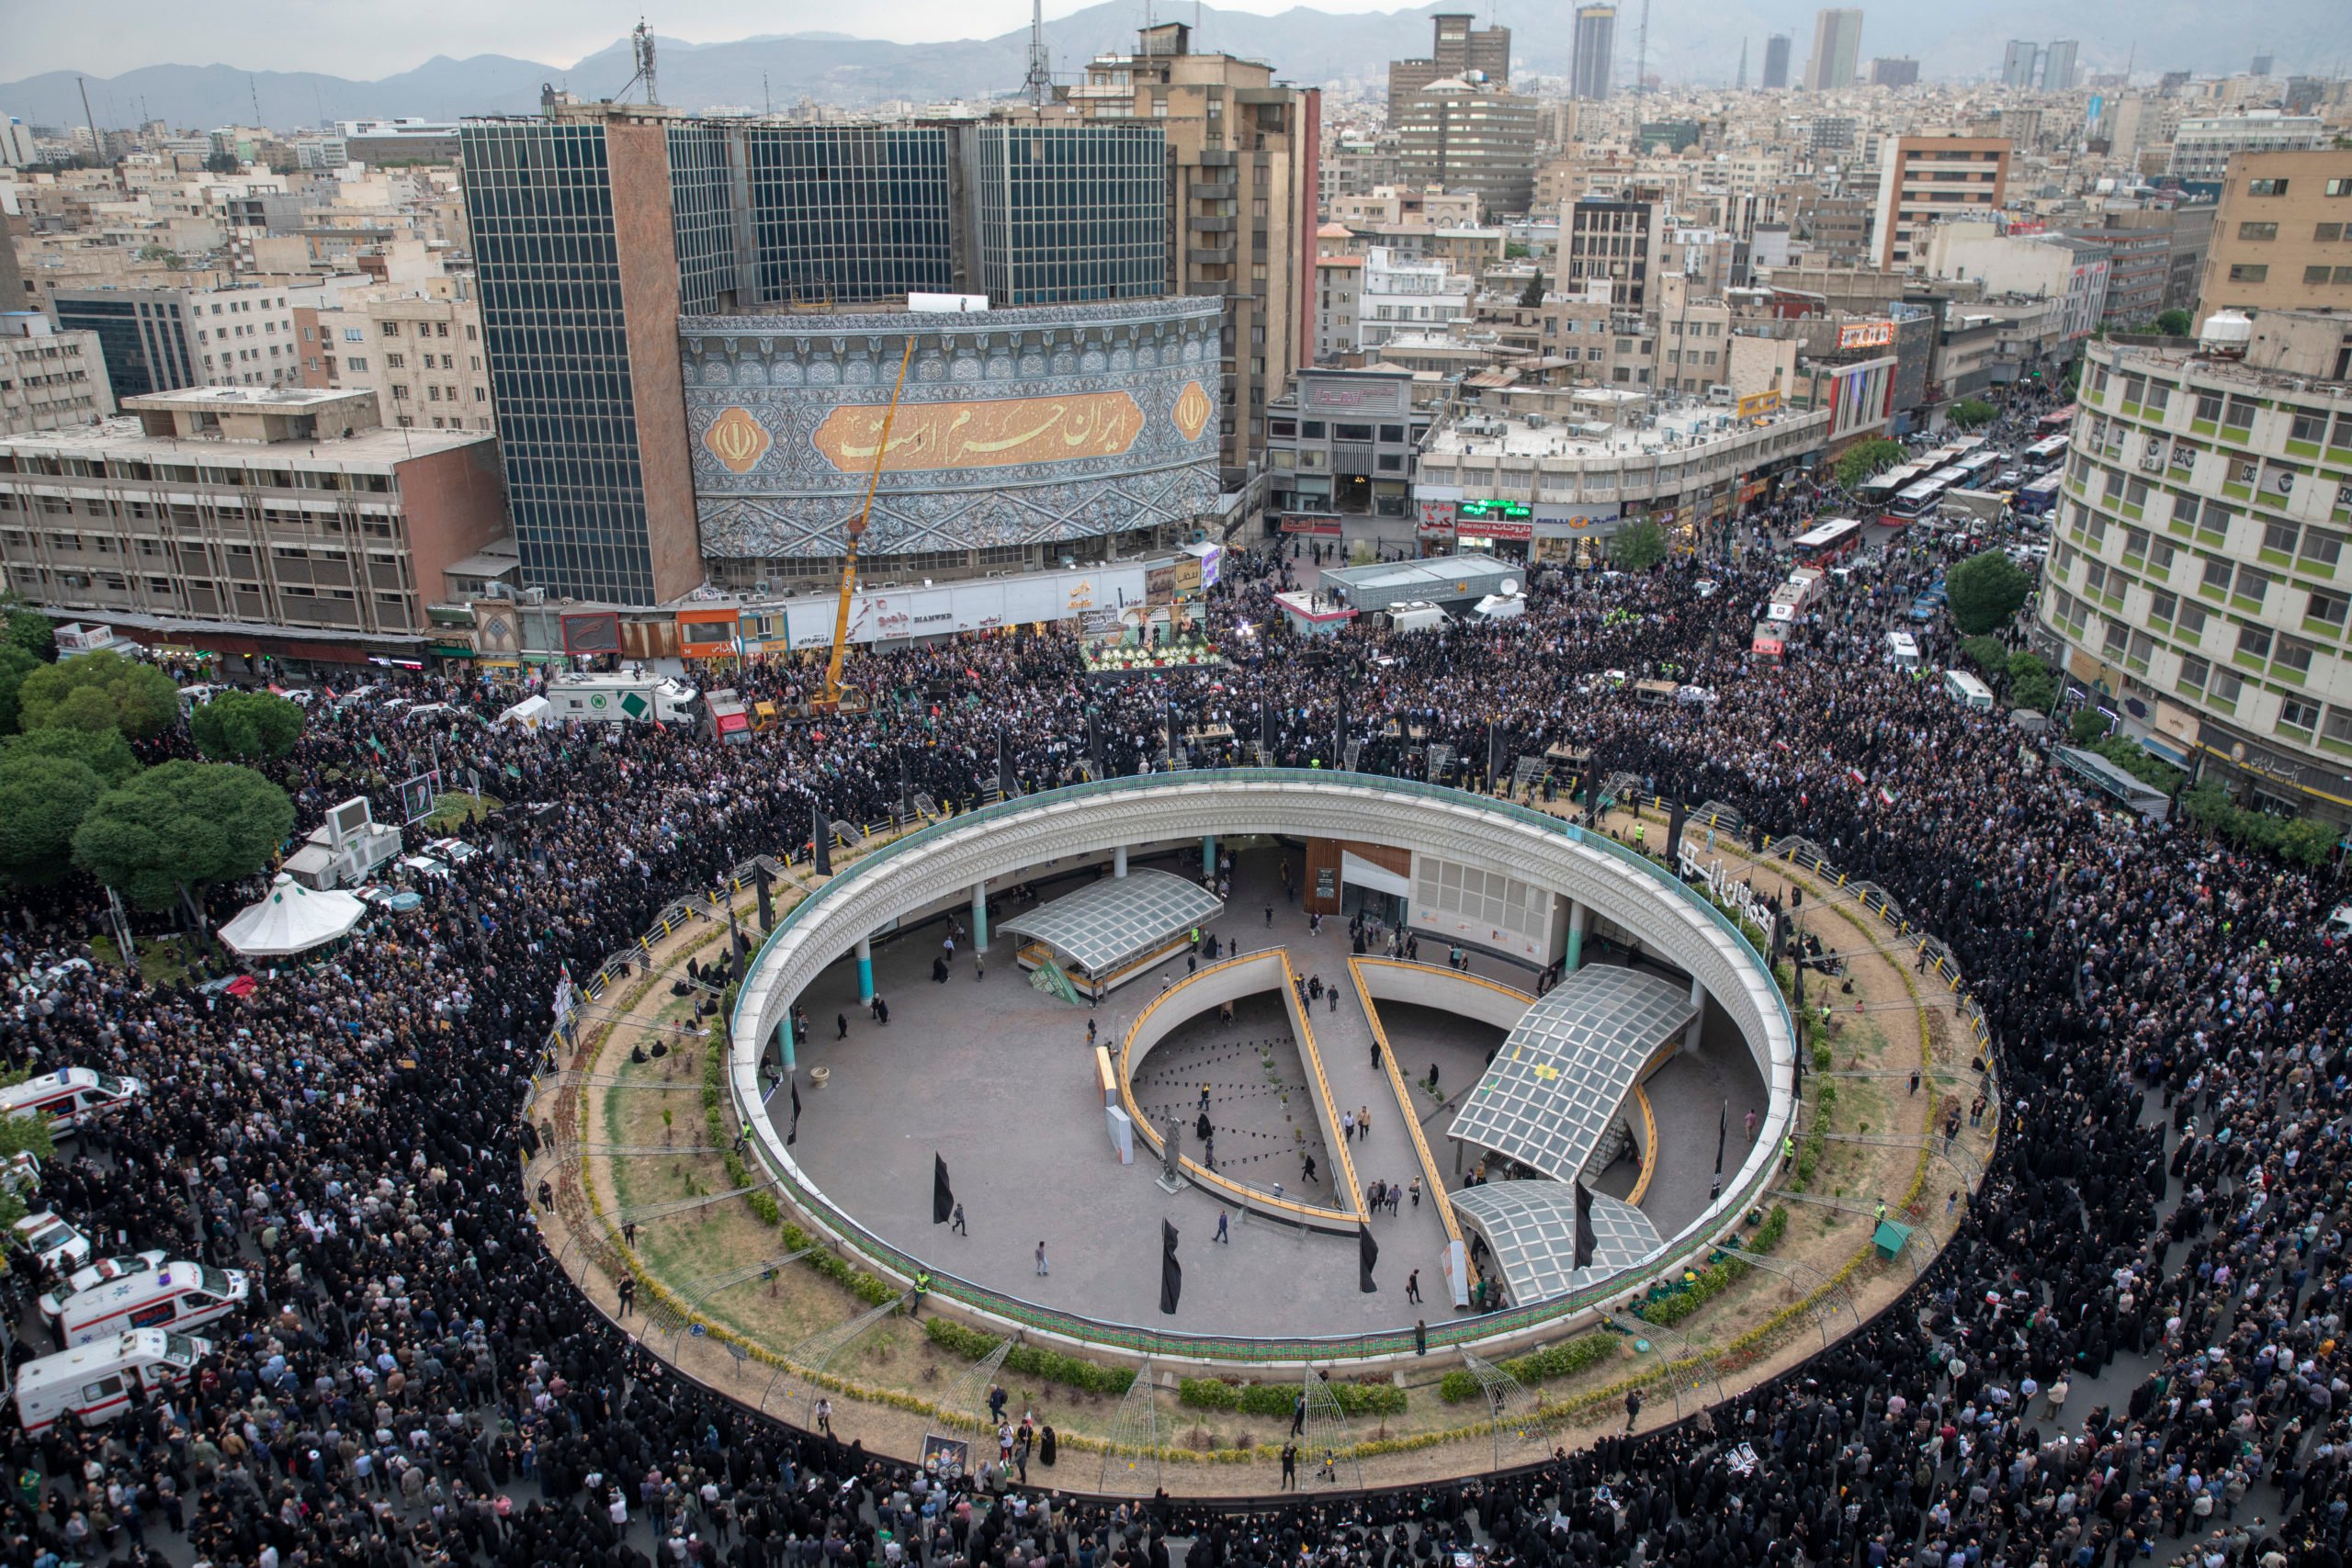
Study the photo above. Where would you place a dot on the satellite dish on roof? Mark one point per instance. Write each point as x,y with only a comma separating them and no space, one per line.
1511,586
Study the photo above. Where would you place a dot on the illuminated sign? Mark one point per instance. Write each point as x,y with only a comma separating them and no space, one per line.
1866,334
1494,511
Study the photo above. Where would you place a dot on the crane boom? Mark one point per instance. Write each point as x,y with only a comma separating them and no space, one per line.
857,531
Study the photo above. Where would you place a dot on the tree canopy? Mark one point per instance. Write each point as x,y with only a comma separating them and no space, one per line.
32,631
1970,412
1985,590
1638,547
246,727
2173,323
135,698
178,827
105,752
1862,460
42,801
15,665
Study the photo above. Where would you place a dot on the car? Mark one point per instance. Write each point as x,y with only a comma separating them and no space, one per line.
58,1244
2339,924
451,852
399,900
1705,587
2007,479
424,866
103,1272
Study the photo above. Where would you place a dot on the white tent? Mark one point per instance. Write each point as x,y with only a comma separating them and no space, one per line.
292,919
530,713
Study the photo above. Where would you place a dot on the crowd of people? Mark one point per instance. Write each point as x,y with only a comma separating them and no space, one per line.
415,1380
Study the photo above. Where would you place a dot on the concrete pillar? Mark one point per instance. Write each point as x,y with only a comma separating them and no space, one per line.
1119,860
1698,1024
1580,915
784,1043
1208,857
979,914
864,971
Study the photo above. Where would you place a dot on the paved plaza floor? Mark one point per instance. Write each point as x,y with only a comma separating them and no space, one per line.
997,1078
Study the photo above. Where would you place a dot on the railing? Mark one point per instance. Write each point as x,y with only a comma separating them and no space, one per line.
1137,1339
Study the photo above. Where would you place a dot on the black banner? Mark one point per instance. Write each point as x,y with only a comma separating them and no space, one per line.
1171,1273
767,904
1367,1253
1583,1254
942,1196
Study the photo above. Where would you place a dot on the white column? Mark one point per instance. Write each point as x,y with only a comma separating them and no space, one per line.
1698,1024
1119,860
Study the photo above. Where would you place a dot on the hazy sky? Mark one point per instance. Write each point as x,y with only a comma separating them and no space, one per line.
366,41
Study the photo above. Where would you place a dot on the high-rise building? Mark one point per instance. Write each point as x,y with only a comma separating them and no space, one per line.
1245,152
2058,66
1461,136
2198,570
1776,61
1897,71
1619,242
12,277
2262,63
1836,49
2020,63
2202,147
1923,179
1594,67
597,227
159,340
1457,50
2279,237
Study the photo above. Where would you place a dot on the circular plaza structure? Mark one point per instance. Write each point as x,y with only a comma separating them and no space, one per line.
1063,1090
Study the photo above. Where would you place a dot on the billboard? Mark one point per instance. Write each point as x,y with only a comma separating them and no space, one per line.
1757,403
1866,334
599,632
1022,426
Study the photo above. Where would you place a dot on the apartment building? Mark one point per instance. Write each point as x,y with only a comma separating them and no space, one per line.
160,340
1457,48
2200,577
1343,441
1924,180
48,380
1403,293
2282,237
2202,146
285,521
421,356
1338,305
1619,243
1470,136
2052,266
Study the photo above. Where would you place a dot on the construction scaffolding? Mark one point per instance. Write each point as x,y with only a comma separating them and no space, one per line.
808,1362
1328,1446
1515,1416
1131,1457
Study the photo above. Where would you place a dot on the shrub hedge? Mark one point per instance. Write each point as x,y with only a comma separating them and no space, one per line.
1274,1400
1032,1360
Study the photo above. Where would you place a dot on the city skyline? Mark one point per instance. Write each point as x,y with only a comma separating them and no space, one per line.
2309,38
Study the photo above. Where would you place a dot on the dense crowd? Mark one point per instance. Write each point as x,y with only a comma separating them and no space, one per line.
416,1381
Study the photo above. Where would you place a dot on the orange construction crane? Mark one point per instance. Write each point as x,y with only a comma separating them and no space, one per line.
832,697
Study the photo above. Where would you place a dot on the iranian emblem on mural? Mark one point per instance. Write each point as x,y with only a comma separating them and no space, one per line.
1191,411
738,440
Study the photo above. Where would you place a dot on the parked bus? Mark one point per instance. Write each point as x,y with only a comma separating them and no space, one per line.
1973,472
2040,497
1915,502
2058,420
2044,454
1829,541
1887,484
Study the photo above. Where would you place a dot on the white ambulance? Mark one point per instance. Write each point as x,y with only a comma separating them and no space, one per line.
180,1296
67,1096
99,1273
97,1383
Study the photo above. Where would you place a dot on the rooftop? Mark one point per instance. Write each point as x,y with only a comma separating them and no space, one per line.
124,438
1110,922
1530,1227
1674,427
291,399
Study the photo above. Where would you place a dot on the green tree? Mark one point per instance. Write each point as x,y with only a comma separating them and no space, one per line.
222,163
1985,590
2173,323
1639,548
1970,412
32,631
1865,458
2032,683
1988,655
42,801
140,697
15,665
105,752
21,1135
246,727
175,829
2088,725
1533,294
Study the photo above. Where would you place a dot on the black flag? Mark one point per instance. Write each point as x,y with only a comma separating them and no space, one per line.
820,836
1592,789
1094,743
792,1135
1677,820
1169,722
1494,752
1171,1273
942,1196
735,939
1266,726
1583,1254
767,904
1367,1253
1340,732
1723,1132
906,798
1003,769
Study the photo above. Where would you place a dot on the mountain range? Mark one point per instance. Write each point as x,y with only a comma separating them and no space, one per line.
1689,40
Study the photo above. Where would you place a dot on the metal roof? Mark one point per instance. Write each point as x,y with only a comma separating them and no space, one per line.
1530,1229
1568,1065
1441,571
1108,923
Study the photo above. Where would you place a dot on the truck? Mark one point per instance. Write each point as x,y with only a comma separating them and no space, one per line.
1414,616
627,696
97,1383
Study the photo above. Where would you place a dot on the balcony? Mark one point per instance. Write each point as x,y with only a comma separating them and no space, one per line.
1200,225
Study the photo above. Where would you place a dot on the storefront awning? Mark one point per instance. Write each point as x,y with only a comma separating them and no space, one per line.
1358,872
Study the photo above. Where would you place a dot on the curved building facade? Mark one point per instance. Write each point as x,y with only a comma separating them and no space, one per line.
1023,427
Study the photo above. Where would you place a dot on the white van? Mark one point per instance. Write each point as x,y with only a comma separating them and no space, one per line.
1902,650
179,1295
67,1096
1967,690
99,1273
55,1243
97,1383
